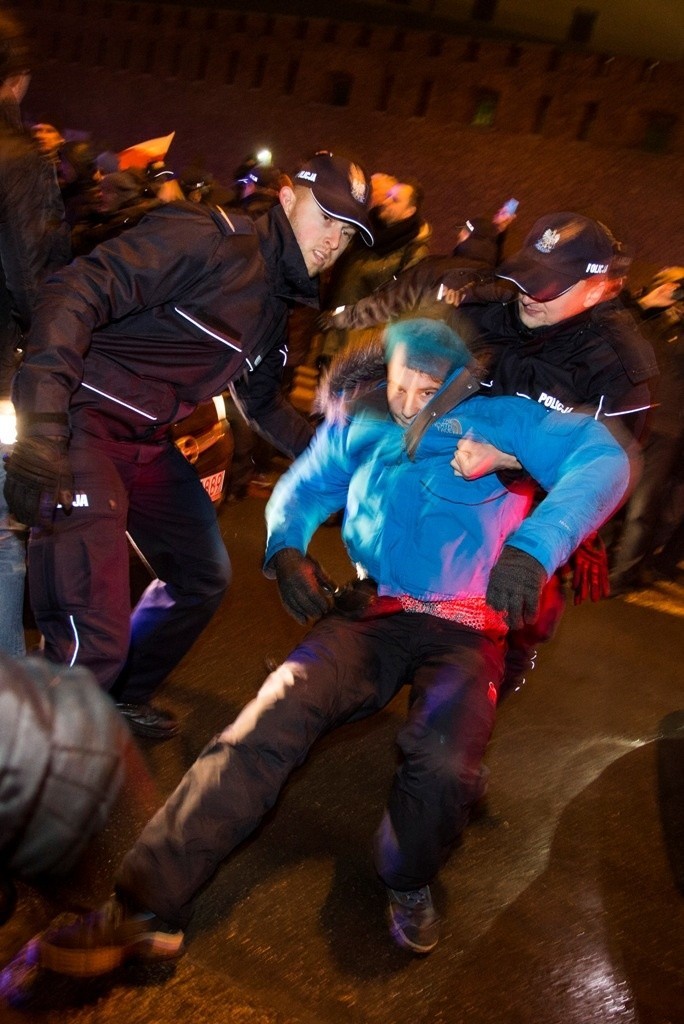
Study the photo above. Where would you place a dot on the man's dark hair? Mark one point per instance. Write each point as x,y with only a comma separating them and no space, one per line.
14,54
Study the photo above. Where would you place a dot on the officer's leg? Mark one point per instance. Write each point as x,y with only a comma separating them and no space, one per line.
78,572
451,718
335,675
644,509
174,524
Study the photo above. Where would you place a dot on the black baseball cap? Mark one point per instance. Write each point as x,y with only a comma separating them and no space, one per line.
340,187
560,250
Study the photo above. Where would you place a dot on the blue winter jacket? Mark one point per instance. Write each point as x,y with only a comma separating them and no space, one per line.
420,530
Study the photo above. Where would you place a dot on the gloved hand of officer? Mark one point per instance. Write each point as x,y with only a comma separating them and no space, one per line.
590,570
38,478
515,586
305,589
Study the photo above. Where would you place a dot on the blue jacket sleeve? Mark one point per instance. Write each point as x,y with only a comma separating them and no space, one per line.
313,488
585,471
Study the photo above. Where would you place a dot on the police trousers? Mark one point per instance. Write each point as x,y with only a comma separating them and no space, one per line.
78,570
341,672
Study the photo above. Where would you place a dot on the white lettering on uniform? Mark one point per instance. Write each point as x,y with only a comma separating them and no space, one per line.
80,501
309,175
596,268
452,296
553,403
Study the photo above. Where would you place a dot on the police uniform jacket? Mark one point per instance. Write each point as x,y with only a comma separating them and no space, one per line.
597,362
128,339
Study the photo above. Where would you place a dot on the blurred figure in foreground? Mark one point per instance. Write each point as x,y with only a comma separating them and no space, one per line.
63,749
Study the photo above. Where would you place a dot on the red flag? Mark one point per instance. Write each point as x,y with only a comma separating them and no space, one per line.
144,153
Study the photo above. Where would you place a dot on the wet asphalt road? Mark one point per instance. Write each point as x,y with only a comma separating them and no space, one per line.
564,904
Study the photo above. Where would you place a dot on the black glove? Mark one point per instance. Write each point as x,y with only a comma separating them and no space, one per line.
305,589
515,586
38,478
590,570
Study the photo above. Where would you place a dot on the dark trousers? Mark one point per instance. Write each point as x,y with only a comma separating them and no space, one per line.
638,540
341,672
79,570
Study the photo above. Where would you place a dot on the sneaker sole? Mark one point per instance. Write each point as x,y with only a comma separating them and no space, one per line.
402,939
88,963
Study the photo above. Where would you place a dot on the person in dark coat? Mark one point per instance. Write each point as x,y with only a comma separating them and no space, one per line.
34,240
126,341
650,544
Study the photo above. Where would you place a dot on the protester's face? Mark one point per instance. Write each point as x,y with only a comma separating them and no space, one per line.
408,391
380,186
322,239
397,205
47,137
107,198
581,296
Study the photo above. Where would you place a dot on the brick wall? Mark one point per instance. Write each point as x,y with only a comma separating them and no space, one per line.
565,134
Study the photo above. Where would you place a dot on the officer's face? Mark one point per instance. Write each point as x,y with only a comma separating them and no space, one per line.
408,391
321,238
581,296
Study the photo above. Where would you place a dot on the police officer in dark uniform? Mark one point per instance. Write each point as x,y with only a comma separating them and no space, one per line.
124,342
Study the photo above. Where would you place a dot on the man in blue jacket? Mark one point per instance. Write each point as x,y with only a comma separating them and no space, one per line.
124,342
445,563
548,327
